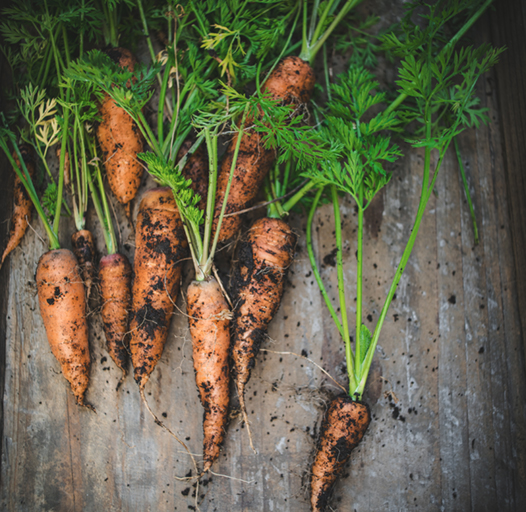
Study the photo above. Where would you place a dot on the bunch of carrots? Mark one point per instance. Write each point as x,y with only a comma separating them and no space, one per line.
110,118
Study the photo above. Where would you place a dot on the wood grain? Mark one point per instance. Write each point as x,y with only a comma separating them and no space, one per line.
447,390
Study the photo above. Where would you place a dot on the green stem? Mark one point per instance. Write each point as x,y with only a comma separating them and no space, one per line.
341,290
60,188
359,274
208,266
211,144
319,43
323,17
424,198
298,196
104,216
466,189
314,265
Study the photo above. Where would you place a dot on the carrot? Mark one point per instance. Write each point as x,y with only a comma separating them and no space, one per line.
292,82
115,275
120,140
196,169
84,250
62,303
343,427
209,320
264,258
160,245
22,205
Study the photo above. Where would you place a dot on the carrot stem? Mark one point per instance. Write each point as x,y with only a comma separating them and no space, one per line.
314,265
341,289
359,274
208,267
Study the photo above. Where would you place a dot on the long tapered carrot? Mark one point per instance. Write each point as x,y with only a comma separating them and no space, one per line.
22,205
264,258
120,140
62,303
209,320
292,82
115,275
343,427
160,246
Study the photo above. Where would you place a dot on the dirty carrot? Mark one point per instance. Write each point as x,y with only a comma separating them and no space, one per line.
291,82
61,297
359,173
22,205
257,287
160,247
209,320
343,427
120,141
60,288
115,275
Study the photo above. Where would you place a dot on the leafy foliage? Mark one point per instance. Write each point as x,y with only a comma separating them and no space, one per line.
359,168
170,176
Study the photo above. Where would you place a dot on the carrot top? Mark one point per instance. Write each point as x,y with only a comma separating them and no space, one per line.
434,80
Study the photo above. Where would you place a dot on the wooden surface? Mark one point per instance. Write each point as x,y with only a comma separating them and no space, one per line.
447,391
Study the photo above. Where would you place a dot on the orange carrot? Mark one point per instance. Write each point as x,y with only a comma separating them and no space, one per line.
120,140
115,289
62,303
343,427
264,258
292,82
84,250
160,245
209,320
22,204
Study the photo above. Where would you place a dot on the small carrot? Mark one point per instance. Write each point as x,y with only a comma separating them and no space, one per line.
62,303
84,250
115,275
120,140
264,258
160,245
209,320
343,427
22,205
292,82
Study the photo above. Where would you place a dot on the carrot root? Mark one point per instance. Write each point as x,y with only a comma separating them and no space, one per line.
22,205
115,288
343,427
292,82
120,140
209,320
264,258
62,303
160,246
